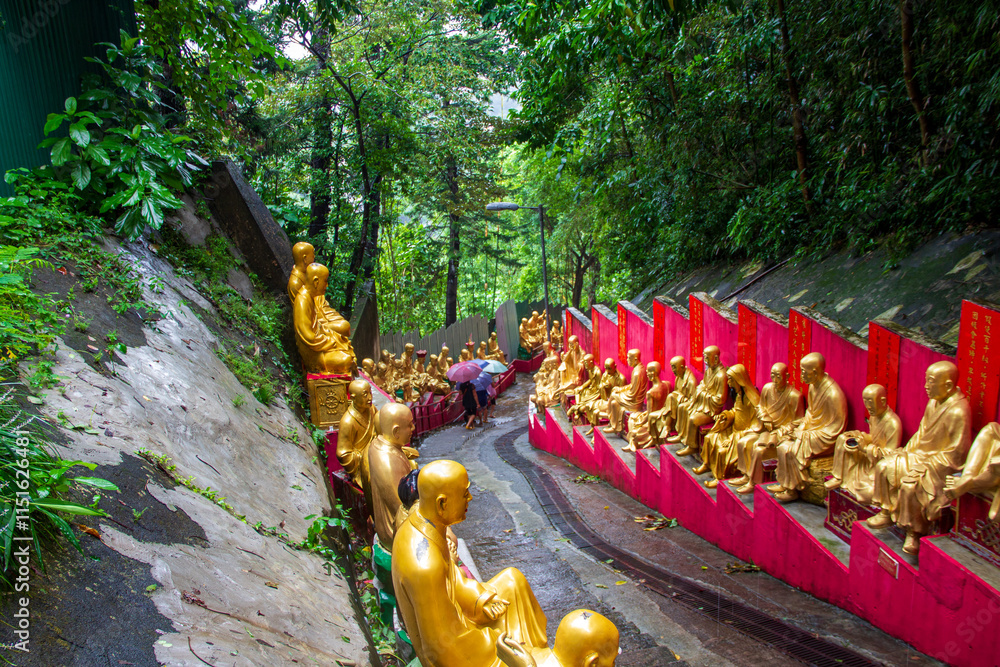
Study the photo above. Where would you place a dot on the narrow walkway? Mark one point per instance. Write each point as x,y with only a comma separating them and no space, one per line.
507,526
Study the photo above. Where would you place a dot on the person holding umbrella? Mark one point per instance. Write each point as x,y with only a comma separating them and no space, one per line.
470,402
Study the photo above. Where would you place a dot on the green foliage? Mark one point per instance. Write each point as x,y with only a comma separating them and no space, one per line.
679,125
117,152
33,483
249,370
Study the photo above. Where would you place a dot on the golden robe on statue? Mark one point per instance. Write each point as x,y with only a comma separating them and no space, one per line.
663,419
719,452
443,610
856,467
908,479
353,439
628,398
708,399
387,465
815,435
639,435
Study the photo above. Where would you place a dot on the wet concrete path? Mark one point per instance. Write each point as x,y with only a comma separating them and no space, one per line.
506,526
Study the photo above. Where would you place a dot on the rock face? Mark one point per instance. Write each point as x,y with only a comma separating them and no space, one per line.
241,594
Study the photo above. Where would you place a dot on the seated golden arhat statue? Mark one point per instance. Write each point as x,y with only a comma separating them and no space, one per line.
589,389
547,382
569,369
662,421
494,349
595,411
639,436
556,334
908,481
719,451
778,412
708,399
452,620
481,351
390,459
584,638
357,429
444,361
981,473
816,435
857,452
323,340
627,398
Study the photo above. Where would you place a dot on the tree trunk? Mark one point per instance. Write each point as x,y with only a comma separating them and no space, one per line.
795,99
319,162
909,76
369,196
454,248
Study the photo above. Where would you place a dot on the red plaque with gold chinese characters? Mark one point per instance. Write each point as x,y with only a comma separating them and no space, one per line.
799,340
697,330
979,361
622,331
659,324
746,352
883,360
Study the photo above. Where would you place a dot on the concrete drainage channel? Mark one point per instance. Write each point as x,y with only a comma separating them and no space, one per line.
788,639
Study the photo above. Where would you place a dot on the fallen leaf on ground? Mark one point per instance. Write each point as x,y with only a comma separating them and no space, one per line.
655,522
619,583
600,585
270,584
734,568
90,531
586,479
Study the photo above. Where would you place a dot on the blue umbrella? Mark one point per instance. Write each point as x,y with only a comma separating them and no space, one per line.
482,382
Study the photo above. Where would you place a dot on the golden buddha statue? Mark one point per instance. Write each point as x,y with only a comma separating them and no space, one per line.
389,461
481,351
662,421
709,397
589,390
524,335
390,369
778,412
639,436
465,355
357,428
494,349
816,435
569,369
454,621
628,398
719,451
857,452
325,350
368,366
610,380
556,334
981,473
584,638
909,480
418,363
379,378
444,361
304,254
406,361
547,381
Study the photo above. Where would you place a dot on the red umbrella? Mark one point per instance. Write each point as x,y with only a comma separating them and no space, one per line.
464,371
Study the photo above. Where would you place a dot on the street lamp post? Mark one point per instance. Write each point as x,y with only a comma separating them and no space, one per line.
510,206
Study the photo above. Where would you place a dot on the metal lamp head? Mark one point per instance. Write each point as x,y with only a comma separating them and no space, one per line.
502,206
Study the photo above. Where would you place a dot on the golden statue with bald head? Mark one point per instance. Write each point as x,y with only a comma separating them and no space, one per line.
323,337
584,638
452,620
857,452
389,461
628,398
816,435
779,410
356,431
639,436
707,401
661,422
908,481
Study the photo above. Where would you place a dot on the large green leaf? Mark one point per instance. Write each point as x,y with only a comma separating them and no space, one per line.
78,133
66,506
61,152
98,482
81,175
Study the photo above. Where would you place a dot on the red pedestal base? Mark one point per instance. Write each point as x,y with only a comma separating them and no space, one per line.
843,510
974,530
